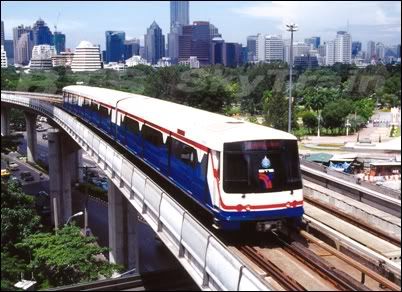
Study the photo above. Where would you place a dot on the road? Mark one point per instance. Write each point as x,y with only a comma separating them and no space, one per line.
153,254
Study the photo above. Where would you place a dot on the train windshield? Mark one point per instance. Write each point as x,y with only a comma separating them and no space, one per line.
261,166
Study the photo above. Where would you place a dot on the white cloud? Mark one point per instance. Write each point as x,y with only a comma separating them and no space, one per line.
319,18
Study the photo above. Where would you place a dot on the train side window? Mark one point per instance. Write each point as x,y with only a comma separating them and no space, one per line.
74,99
94,107
86,104
131,125
153,136
184,152
103,111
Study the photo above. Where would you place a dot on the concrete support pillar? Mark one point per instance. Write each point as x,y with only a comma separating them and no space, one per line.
61,148
77,172
30,121
123,231
5,121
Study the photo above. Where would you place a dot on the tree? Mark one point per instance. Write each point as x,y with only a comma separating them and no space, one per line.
334,113
10,143
276,110
18,217
66,257
364,108
310,120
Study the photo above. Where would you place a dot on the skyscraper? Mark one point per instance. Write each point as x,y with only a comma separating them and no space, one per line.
4,63
231,54
115,46
273,48
41,33
380,51
356,48
179,13
330,53
59,40
370,50
217,51
179,16
9,48
313,41
252,48
22,56
154,42
343,48
131,48
2,33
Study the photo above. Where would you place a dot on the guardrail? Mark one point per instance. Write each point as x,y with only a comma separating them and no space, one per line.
380,201
211,265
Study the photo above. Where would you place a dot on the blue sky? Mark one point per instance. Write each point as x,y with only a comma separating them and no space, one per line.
81,20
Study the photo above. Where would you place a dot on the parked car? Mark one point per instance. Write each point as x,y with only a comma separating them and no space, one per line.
43,119
24,174
5,173
29,178
13,166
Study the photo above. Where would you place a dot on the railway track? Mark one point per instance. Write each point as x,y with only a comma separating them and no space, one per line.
306,265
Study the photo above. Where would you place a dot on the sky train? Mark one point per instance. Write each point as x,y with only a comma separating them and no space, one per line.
242,173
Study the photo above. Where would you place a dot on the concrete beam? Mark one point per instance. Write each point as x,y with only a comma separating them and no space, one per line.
30,121
5,121
123,231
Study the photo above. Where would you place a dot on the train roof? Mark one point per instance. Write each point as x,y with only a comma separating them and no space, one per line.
205,128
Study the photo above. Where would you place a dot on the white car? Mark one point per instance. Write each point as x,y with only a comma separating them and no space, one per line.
14,166
43,119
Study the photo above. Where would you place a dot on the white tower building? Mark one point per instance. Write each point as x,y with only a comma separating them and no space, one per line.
87,57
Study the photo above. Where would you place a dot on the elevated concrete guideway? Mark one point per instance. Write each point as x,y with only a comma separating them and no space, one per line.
210,263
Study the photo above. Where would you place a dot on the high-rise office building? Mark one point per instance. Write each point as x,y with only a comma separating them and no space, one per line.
273,48
23,48
86,57
299,49
42,57
260,47
131,48
196,41
9,48
231,54
217,46
41,33
4,63
179,16
252,48
343,48
356,48
313,41
179,13
380,51
2,33
115,46
330,53
154,42
59,40
370,54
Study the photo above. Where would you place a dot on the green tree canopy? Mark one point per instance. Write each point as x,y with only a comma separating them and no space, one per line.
66,257
334,113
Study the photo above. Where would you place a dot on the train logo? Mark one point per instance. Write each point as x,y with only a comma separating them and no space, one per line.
265,163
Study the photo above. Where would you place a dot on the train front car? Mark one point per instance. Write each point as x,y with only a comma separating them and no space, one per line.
261,186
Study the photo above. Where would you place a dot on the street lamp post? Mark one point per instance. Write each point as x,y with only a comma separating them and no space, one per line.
290,27
75,215
86,195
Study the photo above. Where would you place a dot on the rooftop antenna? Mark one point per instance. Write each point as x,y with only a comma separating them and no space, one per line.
57,20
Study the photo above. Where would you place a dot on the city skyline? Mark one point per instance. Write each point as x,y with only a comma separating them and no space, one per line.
378,21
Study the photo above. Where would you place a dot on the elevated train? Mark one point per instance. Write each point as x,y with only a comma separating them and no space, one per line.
242,173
